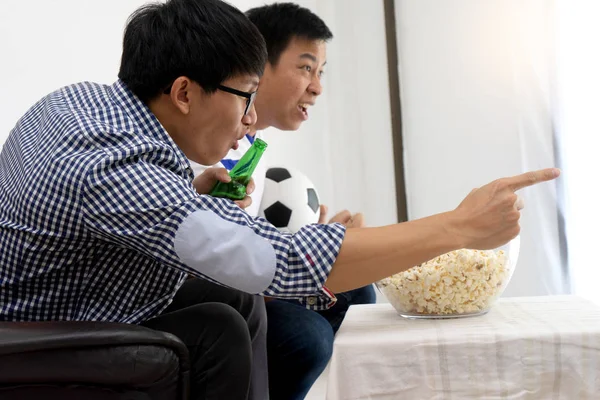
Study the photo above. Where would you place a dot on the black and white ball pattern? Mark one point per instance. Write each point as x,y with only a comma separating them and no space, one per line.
289,200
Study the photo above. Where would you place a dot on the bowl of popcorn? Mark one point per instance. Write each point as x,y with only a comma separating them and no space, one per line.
461,283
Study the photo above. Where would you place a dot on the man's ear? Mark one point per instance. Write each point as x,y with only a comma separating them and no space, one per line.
180,94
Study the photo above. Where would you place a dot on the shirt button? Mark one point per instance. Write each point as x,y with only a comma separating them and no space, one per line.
312,300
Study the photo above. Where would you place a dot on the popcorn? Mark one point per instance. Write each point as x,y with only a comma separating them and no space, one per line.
460,282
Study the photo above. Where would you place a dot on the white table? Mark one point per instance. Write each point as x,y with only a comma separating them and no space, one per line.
542,348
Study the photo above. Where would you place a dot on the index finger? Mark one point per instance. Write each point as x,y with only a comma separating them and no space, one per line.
532,177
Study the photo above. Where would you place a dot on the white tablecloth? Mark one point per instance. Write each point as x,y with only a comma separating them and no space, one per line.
524,348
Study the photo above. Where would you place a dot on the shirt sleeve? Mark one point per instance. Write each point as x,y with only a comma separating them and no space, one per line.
141,202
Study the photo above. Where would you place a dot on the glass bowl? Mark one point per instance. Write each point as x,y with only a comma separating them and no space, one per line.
461,283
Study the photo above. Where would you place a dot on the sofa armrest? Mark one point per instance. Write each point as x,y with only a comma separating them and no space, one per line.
92,353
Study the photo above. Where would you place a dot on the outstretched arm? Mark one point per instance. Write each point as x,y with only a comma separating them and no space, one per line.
487,218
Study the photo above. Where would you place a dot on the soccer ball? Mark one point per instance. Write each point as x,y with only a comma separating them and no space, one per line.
289,200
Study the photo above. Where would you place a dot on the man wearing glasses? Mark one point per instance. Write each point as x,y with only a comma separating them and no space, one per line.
101,235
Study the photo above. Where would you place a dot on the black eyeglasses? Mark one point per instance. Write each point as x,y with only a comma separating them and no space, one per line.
248,96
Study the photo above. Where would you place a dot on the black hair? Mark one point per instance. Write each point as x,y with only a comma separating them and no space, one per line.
208,41
281,22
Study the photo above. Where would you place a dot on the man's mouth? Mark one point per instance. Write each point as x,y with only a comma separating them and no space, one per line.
303,107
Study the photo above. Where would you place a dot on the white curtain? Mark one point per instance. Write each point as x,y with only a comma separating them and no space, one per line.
578,127
477,82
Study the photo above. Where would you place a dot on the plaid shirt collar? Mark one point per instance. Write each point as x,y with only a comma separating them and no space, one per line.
139,111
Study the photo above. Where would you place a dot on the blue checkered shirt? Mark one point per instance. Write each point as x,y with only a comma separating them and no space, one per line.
92,192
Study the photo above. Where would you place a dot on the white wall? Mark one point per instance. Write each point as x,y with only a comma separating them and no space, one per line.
345,147
49,44
476,81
